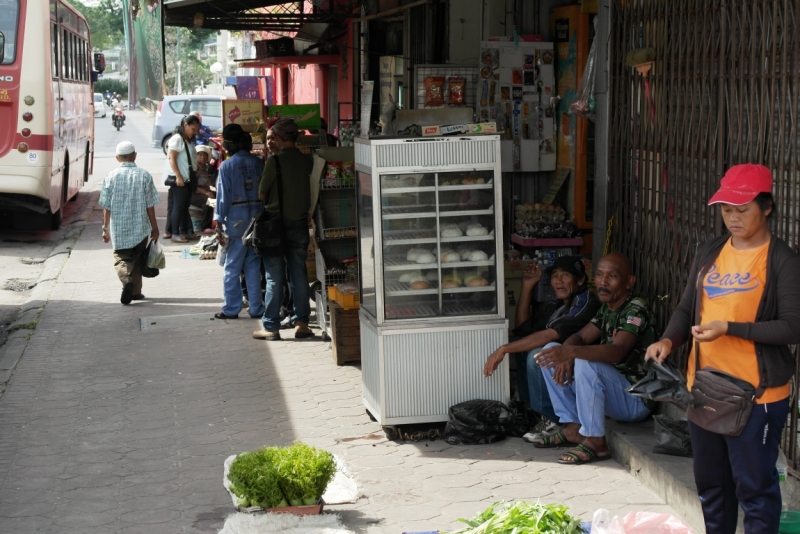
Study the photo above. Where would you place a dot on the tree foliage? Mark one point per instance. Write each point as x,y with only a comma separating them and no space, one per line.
195,67
105,22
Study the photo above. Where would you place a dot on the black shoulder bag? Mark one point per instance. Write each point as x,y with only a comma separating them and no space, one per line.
265,233
722,402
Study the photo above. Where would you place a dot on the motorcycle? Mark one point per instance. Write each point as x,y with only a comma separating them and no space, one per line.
118,119
217,152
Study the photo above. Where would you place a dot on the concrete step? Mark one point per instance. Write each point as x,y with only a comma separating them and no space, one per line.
670,477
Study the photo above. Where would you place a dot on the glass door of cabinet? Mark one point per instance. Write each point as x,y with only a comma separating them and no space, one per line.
439,244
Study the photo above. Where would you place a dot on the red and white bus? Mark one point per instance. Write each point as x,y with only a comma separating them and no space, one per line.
46,110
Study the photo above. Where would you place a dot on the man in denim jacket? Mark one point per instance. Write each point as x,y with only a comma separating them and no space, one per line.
237,204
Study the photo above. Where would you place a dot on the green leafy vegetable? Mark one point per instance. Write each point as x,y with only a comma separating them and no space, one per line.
304,472
271,476
522,518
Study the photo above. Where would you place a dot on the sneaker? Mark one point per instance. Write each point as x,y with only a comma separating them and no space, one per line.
266,335
542,428
127,293
286,323
302,331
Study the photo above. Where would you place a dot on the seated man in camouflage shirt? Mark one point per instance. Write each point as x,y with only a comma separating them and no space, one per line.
587,376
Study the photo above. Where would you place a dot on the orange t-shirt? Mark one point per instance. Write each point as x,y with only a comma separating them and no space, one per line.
732,291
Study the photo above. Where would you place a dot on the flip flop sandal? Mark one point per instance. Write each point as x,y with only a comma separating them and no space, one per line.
220,315
577,460
548,441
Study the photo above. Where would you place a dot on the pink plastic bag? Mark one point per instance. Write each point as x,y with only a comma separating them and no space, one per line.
653,523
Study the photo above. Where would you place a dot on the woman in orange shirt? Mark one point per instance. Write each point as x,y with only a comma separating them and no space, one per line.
749,312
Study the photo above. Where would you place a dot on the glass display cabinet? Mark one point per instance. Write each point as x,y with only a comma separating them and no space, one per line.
430,232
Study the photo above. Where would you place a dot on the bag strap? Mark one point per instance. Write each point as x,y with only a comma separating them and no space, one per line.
703,272
279,182
188,157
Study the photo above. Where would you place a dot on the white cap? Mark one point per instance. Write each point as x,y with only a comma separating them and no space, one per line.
125,148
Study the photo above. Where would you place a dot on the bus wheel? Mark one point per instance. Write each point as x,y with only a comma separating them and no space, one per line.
55,220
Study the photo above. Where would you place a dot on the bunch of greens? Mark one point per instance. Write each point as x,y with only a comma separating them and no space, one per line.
304,472
254,479
271,476
522,518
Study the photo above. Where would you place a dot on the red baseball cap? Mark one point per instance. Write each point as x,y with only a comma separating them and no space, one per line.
742,183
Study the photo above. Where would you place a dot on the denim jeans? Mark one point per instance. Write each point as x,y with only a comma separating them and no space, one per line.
294,262
531,385
597,390
240,258
179,213
733,471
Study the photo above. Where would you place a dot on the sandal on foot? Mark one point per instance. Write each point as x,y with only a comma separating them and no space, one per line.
167,236
590,453
555,439
220,315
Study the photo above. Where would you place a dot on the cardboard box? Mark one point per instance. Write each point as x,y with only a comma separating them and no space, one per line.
246,113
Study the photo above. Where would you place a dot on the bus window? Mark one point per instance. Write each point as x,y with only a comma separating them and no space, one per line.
54,50
64,55
9,20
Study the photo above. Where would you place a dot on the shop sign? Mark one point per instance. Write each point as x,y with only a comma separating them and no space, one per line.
246,113
307,116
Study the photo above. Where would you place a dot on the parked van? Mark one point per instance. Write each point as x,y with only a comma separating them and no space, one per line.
173,108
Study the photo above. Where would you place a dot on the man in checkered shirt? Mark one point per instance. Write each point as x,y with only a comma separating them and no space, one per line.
588,375
128,197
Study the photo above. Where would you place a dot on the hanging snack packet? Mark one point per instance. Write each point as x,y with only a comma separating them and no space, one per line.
434,91
458,86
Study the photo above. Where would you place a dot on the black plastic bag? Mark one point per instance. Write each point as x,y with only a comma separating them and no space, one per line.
522,421
672,437
663,383
477,422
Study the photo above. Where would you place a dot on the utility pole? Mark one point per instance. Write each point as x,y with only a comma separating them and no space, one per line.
178,85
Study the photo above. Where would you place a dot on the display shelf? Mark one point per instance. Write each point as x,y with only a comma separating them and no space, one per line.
468,187
546,242
463,308
411,311
469,238
466,213
403,289
405,190
336,187
400,263
468,289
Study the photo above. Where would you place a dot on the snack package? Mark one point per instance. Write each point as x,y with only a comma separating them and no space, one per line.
458,86
434,91
333,173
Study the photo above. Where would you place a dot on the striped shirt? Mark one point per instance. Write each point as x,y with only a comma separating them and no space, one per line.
127,192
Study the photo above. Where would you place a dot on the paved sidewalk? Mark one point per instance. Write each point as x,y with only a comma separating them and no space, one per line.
107,428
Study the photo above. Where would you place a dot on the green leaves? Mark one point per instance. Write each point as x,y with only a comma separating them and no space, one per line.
522,518
271,476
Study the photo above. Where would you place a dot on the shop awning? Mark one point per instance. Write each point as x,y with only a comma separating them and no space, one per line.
243,15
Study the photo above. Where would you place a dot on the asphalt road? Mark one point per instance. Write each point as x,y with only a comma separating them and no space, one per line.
23,252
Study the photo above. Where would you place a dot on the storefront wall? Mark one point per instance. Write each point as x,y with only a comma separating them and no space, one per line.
724,90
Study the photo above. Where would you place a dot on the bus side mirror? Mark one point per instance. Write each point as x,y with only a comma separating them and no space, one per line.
2,46
99,62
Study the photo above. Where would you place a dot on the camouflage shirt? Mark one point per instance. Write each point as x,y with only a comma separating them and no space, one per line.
633,316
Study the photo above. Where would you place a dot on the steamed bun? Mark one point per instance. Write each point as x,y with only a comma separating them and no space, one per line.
477,255
477,230
426,257
412,276
451,231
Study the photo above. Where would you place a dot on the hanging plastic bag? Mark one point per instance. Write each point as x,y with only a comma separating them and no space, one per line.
147,271
672,437
584,103
653,523
663,383
603,523
156,258
477,422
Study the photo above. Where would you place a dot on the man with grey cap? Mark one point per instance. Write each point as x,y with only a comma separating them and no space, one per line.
128,197
293,169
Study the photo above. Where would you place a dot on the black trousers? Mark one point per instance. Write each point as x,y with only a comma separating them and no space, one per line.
740,470
179,212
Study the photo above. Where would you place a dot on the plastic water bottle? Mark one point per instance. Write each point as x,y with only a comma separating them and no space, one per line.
782,466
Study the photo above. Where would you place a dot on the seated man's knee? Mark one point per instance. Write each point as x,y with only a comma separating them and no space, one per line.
586,368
